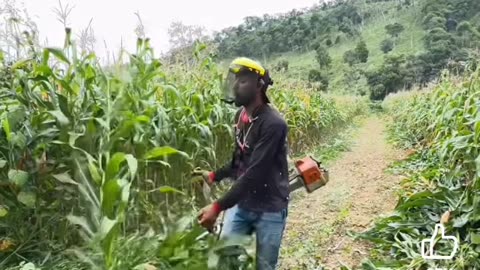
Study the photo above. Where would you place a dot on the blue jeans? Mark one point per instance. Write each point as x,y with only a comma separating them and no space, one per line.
268,226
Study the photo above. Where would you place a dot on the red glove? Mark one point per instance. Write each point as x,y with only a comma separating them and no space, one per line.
208,216
211,177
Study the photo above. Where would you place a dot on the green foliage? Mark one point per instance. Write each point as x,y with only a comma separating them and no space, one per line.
323,57
394,29
361,52
329,43
281,66
358,55
446,41
387,46
316,76
82,147
350,57
442,177
292,31
395,74
96,162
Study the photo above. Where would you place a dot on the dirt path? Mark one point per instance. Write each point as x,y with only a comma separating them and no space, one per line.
359,191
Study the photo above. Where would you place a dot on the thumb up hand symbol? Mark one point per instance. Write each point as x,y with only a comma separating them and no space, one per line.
429,253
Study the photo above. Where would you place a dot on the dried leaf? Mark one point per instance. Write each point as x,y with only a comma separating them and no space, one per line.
445,217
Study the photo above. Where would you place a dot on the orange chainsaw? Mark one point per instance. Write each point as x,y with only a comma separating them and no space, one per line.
311,175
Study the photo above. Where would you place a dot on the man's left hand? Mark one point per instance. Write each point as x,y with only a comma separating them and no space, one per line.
208,216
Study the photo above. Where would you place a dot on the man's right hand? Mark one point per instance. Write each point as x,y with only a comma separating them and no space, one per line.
207,176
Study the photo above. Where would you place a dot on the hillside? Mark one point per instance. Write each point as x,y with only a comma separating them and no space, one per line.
373,33
324,45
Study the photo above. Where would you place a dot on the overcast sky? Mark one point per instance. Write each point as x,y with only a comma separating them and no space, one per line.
114,20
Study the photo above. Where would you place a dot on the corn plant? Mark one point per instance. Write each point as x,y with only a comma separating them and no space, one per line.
97,160
443,125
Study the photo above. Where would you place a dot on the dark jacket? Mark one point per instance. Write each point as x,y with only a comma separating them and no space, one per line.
260,170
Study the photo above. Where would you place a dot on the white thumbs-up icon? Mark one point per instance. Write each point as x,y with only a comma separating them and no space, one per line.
439,228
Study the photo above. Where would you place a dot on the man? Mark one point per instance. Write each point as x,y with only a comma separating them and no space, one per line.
259,167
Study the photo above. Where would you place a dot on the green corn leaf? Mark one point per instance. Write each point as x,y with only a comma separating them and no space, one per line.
102,122
27,198
3,211
2,163
61,118
111,192
163,151
59,54
477,164
106,226
46,56
113,166
82,222
6,129
20,64
65,178
63,104
94,173
18,177
132,165
475,238
108,233
143,119
168,189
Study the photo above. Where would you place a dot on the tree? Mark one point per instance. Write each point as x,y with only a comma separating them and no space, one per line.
350,57
323,57
467,34
317,77
451,25
182,36
394,29
392,76
387,46
347,27
362,52
338,40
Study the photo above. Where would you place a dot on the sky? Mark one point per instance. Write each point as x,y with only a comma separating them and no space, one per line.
114,20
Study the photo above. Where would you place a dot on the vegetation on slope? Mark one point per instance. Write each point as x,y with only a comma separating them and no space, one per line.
408,43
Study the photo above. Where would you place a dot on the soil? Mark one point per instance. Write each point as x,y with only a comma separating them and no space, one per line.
359,191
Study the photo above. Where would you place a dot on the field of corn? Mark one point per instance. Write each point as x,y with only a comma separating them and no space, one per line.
441,127
96,162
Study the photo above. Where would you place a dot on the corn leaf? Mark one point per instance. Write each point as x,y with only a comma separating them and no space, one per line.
27,198
61,118
59,54
3,211
163,151
65,178
6,129
111,191
113,166
18,177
